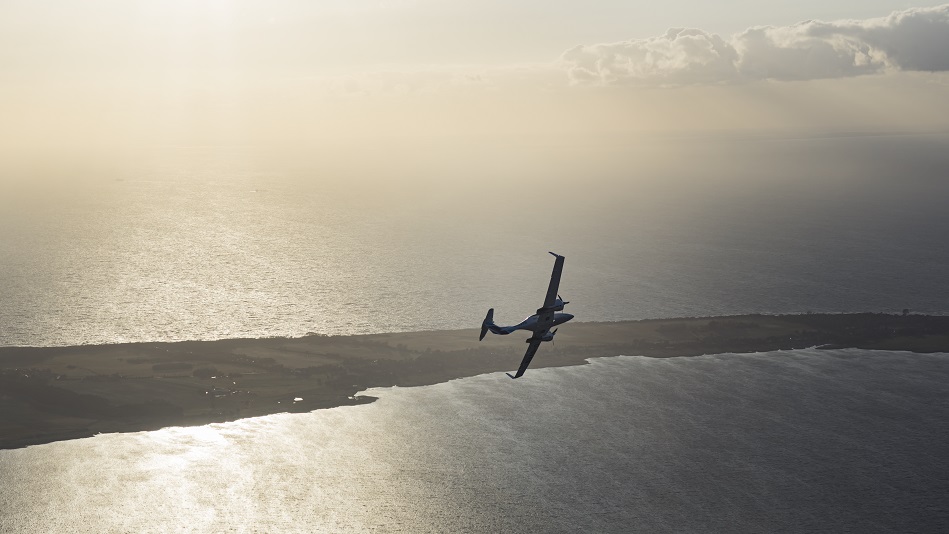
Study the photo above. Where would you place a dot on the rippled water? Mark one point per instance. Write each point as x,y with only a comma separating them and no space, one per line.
798,441
202,244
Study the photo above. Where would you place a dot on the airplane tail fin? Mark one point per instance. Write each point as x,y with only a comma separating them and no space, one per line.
487,323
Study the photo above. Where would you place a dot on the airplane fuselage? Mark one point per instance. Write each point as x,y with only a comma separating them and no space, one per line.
540,323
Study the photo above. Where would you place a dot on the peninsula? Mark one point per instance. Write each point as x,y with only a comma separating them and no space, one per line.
55,393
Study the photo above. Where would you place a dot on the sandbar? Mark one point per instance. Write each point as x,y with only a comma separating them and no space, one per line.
51,394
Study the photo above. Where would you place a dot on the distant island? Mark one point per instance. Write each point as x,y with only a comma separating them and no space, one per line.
50,394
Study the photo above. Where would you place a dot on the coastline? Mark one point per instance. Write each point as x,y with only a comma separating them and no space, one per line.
52,394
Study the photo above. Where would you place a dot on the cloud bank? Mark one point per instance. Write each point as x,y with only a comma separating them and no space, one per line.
915,39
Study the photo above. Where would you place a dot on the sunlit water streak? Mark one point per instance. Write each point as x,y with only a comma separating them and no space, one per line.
796,441
199,244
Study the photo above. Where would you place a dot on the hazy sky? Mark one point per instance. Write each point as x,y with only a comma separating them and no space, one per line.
220,72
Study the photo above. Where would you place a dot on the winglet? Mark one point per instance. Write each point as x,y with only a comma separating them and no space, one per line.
554,254
510,375
487,323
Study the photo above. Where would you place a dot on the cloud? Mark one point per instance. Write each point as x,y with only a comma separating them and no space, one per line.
912,40
679,56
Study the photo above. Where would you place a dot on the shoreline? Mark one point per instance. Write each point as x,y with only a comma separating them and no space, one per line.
52,394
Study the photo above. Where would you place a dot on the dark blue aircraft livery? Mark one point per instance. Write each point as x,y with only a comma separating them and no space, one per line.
539,324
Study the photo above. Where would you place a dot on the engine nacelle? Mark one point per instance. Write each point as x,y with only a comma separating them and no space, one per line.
556,306
547,336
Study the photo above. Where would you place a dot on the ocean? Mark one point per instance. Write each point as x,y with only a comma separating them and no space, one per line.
795,441
205,243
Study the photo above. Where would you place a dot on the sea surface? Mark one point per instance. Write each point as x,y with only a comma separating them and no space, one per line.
206,242
791,441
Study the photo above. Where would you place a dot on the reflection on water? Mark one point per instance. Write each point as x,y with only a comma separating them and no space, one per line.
793,441
197,244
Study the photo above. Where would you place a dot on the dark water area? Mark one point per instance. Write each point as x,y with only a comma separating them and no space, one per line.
795,441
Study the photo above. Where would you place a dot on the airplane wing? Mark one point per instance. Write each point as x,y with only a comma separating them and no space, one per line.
531,350
554,282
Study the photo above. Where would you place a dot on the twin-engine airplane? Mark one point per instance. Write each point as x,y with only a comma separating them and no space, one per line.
539,324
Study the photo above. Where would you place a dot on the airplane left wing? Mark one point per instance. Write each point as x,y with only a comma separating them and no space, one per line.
531,350
554,286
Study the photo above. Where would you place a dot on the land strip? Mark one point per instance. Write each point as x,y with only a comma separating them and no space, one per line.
55,393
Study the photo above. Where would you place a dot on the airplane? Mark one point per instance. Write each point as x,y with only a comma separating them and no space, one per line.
539,324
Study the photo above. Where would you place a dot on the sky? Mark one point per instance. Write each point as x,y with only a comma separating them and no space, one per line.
297,73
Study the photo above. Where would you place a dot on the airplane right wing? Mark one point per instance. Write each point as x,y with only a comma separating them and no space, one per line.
554,281
531,350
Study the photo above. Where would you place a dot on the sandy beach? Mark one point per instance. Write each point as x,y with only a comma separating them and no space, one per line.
56,393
